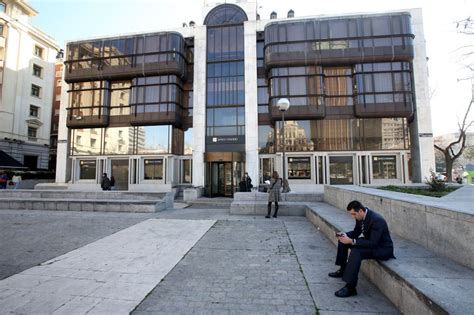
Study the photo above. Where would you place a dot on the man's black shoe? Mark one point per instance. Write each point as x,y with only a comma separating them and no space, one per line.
336,274
346,292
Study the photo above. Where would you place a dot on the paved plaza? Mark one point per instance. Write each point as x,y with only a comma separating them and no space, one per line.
182,261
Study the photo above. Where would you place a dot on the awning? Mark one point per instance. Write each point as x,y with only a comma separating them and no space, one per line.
6,161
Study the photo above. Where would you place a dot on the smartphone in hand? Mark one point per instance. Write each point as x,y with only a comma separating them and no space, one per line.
339,234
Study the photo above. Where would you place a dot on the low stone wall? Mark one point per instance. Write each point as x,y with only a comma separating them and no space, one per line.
86,201
190,194
255,203
290,197
422,220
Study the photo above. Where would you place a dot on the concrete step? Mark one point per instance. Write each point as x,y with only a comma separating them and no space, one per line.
291,197
205,202
419,281
70,194
256,203
261,207
84,205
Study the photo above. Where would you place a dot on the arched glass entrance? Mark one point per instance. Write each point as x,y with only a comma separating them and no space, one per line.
225,100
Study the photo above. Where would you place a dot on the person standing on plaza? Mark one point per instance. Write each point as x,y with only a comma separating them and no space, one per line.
105,183
246,183
3,181
274,194
370,239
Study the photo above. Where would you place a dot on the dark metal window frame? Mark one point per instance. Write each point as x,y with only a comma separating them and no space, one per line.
38,51
32,132
408,93
103,95
36,90
105,58
282,28
34,111
37,70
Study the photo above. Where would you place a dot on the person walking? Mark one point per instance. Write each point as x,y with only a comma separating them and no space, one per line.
105,183
370,239
274,194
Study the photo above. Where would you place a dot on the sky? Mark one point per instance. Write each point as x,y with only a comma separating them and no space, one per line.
450,92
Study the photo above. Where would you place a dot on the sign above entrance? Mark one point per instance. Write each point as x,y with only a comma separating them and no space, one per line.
225,139
225,143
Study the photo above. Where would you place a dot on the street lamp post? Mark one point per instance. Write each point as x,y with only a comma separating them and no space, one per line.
283,105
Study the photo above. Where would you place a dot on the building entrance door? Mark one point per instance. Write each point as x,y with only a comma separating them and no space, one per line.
223,173
220,179
120,174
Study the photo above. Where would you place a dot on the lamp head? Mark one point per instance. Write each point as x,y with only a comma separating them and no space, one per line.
283,104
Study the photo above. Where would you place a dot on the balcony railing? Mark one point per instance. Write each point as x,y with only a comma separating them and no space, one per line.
87,117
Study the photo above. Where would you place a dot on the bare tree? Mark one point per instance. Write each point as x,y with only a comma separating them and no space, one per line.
454,149
466,27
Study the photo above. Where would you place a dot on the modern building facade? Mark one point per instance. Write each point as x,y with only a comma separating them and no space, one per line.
58,78
27,58
197,105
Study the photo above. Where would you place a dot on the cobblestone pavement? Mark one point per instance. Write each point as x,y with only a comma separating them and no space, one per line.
244,264
28,238
237,267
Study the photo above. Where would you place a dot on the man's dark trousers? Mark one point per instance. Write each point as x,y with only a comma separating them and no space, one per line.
351,267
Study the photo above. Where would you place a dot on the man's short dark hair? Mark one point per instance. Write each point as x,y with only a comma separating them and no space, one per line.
356,205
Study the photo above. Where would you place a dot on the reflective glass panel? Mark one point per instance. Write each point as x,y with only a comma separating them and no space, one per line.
153,169
86,141
87,169
384,167
299,167
153,139
188,141
266,139
119,140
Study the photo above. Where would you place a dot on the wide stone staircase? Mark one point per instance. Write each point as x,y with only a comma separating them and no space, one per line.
67,200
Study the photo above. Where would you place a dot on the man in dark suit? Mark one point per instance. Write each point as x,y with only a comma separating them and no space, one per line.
370,239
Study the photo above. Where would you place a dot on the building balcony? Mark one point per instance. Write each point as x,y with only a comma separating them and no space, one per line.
87,117
155,114
299,112
339,52
126,57
384,110
339,40
125,67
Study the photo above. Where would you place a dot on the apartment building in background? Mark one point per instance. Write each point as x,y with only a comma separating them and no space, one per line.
27,67
197,105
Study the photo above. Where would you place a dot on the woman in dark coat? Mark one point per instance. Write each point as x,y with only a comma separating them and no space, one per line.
274,194
246,183
105,184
